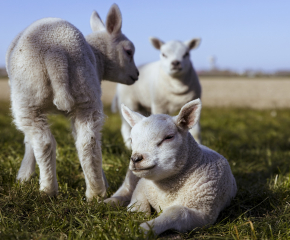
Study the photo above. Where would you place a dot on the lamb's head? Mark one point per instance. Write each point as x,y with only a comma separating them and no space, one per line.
160,142
117,51
174,55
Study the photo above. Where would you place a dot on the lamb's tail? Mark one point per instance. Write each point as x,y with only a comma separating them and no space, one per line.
114,104
57,69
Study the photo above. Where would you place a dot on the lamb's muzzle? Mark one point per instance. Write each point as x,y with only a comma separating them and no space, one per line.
136,158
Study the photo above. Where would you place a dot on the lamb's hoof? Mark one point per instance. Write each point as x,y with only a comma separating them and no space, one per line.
49,192
90,195
22,178
49,189
116,201
146,229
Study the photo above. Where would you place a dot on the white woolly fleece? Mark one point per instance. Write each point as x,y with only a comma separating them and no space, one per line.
164,86
53,68
170,171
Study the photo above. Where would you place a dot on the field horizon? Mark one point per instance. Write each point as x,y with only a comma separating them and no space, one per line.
255,93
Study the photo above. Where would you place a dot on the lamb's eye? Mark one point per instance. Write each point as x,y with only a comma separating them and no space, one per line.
164,55
165,139
129,52
168,137
186,55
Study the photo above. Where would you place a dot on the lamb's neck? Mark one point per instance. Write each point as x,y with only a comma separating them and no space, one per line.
99,55
194,159
180,84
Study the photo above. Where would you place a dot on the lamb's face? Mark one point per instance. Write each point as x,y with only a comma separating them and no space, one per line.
175,59
121,54
156,145
159,142
174,55
117,50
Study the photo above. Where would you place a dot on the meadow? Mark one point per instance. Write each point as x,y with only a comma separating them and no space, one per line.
256,143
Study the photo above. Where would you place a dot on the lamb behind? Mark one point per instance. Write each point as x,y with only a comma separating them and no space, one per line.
164,86
191,183
53,68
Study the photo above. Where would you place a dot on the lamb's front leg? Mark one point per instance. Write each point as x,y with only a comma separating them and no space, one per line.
175,217
139,201
87,125
123,196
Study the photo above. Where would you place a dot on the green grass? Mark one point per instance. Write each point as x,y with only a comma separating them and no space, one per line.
256,143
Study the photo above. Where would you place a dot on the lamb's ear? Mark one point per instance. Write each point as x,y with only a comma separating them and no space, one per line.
114,20
193,43
189,114
96,22
157,43
130,116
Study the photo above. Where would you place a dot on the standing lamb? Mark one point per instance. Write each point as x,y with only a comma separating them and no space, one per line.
191,183
164,86
53,68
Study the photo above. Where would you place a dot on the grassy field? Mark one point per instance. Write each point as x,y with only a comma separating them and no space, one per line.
256,143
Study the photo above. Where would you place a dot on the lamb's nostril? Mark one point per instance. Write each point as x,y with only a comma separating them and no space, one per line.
175,63
136,158
137,73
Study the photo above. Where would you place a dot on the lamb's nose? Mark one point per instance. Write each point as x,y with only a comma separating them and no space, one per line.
175,63
136,158
137,73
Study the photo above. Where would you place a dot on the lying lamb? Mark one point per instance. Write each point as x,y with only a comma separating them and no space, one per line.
53,68
191,183
164,86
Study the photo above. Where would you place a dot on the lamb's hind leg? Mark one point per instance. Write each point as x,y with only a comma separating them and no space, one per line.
35,127
175,217
27,167
87,125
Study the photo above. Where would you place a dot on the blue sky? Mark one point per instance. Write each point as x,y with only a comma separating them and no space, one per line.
248,34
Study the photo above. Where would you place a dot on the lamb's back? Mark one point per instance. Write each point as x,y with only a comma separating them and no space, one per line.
55,41
210,187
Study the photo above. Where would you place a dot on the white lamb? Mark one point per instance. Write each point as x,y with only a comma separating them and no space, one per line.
191,183
53,68
164,86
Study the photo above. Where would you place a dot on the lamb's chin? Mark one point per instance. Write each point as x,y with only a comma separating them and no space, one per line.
144,173
175,72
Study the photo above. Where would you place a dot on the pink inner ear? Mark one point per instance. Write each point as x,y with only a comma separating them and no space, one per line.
128,117
188,117
192,44
114,21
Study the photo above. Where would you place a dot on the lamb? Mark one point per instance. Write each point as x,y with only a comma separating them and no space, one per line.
191,183
164,86
53,68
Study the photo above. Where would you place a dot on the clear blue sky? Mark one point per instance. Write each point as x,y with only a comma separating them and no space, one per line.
245,34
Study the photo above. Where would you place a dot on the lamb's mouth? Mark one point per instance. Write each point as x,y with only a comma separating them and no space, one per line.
134,79
176,69
143,169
